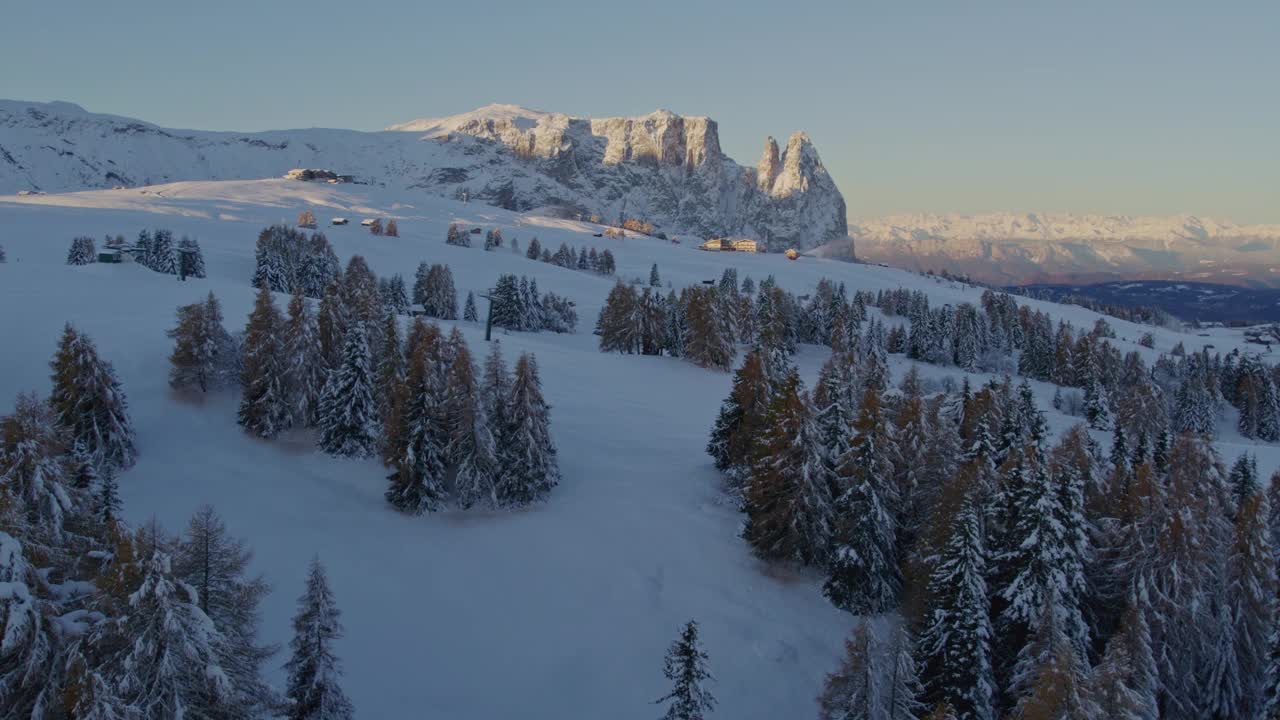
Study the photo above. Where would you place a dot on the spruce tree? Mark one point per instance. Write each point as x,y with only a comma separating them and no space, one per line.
469,312
528,455
88,402
348,411
304,367
162,256
686,667
313,670
654,279
864,576
416,442
1251,589
190,258
957,639
265,405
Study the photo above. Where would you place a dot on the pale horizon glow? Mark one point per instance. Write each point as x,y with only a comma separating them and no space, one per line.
1093,108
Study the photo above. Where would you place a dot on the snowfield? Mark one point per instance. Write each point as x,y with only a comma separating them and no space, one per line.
560,611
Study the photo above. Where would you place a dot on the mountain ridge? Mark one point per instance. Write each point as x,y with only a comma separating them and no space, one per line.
664,169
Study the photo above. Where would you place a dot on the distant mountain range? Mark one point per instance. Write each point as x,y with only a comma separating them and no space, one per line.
1018,249
662,168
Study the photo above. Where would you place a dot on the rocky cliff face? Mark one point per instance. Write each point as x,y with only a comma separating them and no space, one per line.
663,168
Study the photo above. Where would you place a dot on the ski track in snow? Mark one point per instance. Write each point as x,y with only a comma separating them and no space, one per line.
560,610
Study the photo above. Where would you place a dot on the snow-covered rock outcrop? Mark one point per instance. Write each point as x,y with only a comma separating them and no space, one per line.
662,168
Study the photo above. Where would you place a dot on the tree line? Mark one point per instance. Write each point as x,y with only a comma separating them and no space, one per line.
155,251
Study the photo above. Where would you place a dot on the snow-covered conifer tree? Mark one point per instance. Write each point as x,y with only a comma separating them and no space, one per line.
190,258
864,576
305,370
471,450
348,411
469,312
313,670
265,404
529,469
88,402
686,667
163,257
956,643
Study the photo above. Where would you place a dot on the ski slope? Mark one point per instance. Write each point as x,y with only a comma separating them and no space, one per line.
559,611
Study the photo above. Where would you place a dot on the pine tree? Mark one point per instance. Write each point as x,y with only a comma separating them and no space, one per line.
686,667
654,279
417,436
1251,589
392,230
88,402
905,689
471,451
214,564
864,575
265,408
618,325
528,455
106,506
741,421
332,321
788,498
348,411
469,312
162,256
312,690
190,258
957,637
304,367
32,472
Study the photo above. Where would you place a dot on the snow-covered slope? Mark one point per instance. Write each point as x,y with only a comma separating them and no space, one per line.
662,168
560,611
1010,248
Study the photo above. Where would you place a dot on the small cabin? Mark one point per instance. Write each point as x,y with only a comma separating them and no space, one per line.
339,221
745,246
368,221
115,255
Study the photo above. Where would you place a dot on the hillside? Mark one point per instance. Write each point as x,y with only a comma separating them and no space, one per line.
559,611
661,168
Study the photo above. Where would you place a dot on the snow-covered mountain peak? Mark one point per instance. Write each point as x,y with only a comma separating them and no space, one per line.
521,117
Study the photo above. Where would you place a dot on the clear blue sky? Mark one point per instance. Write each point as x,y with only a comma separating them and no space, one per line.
1115,107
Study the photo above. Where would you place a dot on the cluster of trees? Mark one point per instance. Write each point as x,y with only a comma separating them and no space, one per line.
390,229
157,251
102,621
1142,314
517,305
287,261
1033,579
455,435
82,251
588,260
433,289
704,323
451,434
460,236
